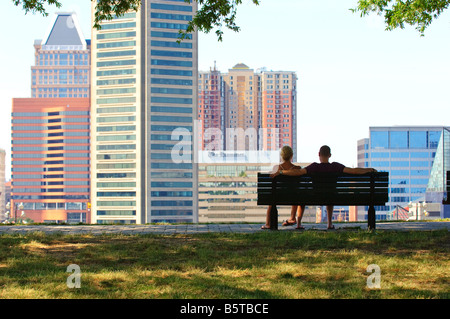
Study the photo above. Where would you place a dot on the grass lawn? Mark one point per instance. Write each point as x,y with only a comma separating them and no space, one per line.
286,265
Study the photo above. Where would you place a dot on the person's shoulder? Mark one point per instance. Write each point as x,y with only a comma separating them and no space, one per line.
295,166
311,167
338,164
339,167
313,164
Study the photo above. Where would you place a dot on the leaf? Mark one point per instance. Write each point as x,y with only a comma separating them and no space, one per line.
397,13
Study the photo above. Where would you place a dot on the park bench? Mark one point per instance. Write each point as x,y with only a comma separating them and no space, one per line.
446,200
321,189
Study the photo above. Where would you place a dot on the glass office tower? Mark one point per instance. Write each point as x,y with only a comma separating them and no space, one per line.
408,153
144,92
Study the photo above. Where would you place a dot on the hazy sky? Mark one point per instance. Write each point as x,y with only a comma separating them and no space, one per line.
352,74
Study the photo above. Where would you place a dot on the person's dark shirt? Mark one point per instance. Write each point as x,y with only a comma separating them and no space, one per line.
334,167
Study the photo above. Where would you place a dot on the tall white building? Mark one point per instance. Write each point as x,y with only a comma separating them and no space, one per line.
144,87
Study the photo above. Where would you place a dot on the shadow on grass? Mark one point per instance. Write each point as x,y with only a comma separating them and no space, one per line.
258,266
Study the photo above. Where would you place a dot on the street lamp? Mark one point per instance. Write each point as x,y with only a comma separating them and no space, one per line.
16,207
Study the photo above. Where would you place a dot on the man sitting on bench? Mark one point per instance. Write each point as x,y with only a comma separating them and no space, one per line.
323,167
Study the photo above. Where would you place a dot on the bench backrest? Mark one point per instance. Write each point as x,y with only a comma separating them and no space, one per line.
324,189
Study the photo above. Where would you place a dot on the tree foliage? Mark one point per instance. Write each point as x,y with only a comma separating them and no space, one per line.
212,14
107,9
36,6
215,14
220,14
397,13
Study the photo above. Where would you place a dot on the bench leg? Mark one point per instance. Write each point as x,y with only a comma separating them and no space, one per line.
274,218
371,218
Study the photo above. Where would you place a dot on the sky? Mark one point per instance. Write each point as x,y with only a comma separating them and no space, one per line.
352,74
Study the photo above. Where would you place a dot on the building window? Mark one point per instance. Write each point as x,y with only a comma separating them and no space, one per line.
417,139
399,139
379,139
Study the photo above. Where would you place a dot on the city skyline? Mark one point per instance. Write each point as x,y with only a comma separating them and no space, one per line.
348,67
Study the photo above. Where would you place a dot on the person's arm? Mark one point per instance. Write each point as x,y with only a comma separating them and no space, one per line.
289,172
358,170
275,169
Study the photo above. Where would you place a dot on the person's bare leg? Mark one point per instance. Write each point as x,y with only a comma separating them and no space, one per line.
293,219
330,216
267,225
300,211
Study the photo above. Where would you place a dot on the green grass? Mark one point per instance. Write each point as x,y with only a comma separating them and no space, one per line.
287,265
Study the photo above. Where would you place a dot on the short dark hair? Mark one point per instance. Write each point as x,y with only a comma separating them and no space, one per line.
325,151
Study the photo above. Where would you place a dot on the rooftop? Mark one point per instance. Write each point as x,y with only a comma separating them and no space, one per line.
65,32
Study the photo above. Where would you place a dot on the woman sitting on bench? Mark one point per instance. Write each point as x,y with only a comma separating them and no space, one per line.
286,154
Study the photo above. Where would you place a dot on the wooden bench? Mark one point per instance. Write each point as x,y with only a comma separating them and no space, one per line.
323,189
446,200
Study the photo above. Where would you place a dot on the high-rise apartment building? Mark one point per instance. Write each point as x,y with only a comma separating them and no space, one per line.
211,110
416,158
254,110
144,100
62,61
278,111
241,108
50,131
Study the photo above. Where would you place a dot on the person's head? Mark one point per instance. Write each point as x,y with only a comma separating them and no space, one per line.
324,153
286,153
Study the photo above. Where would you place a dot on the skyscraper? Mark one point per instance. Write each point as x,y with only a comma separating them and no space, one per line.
211,110
50,131
279,109
144,101
241,108
62,61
